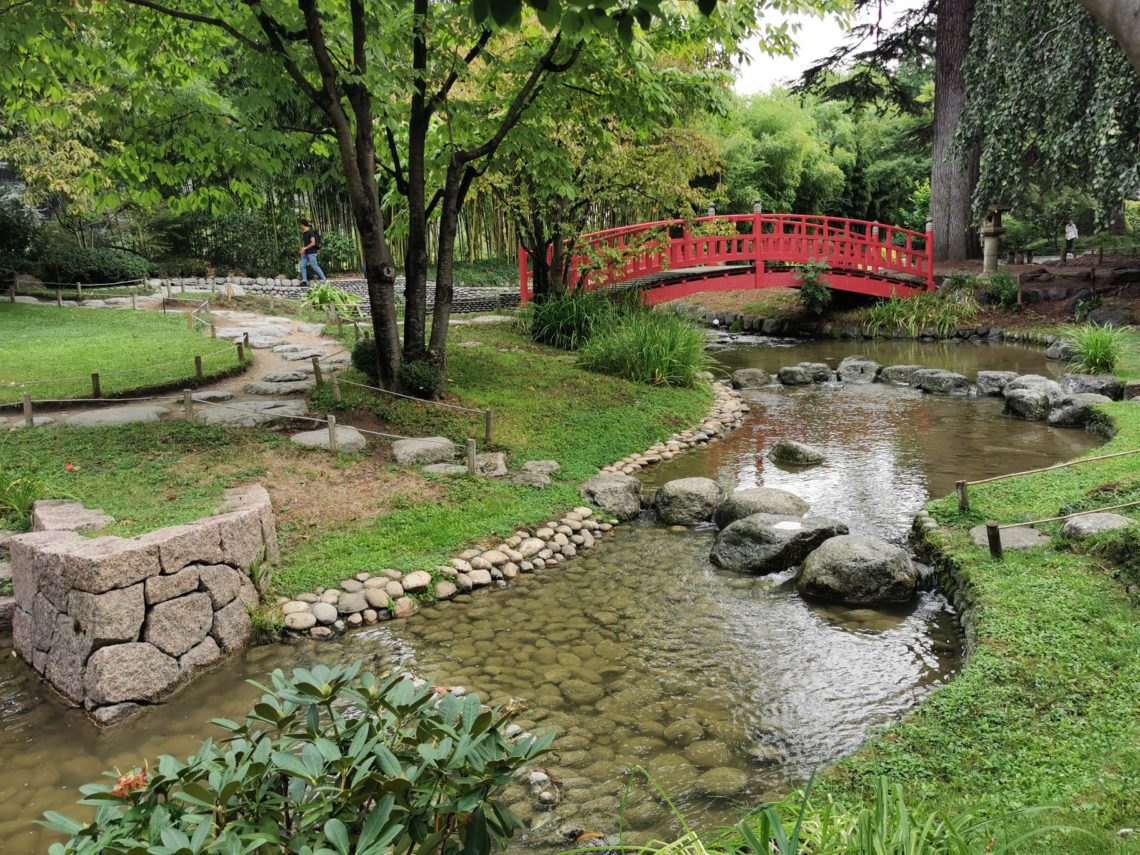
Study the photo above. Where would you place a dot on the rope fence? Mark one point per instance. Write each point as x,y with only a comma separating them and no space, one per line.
487,414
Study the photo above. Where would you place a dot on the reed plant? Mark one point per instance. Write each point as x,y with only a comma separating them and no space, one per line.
660,348
922,312
570,319
1097,348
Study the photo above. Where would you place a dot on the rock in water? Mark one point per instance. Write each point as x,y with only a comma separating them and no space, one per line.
1096,384
1062,350
1077,410
898,375
858,369
758,500
1032,397
795,375
858,569
994,382
771,543
615,494
796,453
687,501
940,382
751,378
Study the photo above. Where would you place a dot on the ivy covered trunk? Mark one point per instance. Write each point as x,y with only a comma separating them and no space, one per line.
954,173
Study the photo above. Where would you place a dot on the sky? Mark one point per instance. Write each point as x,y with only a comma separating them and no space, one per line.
816,38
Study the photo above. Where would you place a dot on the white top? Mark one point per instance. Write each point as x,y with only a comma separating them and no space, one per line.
1071,231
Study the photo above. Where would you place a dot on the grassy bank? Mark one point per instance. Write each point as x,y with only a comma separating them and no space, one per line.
129,350
338,516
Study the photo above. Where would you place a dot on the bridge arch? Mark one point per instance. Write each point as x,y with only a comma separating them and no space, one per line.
670,259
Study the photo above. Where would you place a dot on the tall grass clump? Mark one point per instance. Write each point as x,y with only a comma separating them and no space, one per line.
1097,348
922,312
658,348
569,320
1001,288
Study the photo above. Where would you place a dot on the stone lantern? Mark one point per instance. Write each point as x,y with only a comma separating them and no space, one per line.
992,231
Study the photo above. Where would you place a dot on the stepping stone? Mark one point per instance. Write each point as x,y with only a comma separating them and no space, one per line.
260,342
302,354
1021,537
311,329
445,469
113,416
94,304
1079,528
430,449
277,319
37,421
291,348
253,413
284,377
209,397
348,439
258,331
492,319
273,388
234,316
64,515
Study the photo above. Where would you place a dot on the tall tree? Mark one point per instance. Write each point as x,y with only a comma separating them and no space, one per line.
1122,17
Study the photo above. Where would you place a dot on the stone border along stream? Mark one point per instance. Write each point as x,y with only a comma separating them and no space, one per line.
368,598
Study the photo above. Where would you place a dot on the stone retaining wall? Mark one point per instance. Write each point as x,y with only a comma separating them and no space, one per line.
114,623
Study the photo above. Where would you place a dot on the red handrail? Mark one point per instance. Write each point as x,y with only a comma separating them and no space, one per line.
852,247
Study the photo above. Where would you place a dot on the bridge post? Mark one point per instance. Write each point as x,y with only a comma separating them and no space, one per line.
524,292
757,260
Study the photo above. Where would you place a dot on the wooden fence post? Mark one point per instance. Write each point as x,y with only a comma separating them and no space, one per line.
198,369
317,371
336,388
213,331
29,420
188,403
78,292
333,446
59,297
489,425
245,339
963,496
189,320
96,392
241,353
993,534
134,305
471,469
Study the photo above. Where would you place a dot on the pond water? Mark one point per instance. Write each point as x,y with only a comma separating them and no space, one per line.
729,689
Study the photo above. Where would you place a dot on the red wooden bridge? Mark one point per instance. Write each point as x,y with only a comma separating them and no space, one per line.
671,259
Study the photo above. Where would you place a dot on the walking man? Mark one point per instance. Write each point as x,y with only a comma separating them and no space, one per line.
310,243
1070,236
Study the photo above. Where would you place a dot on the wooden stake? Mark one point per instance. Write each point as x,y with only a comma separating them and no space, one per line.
96,392
28,419
333,447
198,369
963,496
245,339
489,424
213,331
993,534
317,371
134,305
78,291
336,388
59,297
188,403
241,353
471,470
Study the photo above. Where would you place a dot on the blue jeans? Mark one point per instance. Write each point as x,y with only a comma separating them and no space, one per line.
309,259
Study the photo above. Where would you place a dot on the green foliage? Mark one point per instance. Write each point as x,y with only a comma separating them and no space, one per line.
815,292
961,282
17,226
1098,348
660,348
339,253
330,760
364,358
421,379
1121,554
68,264
1000,287
325,296
570,319
921,313
17,495
252,241
487,273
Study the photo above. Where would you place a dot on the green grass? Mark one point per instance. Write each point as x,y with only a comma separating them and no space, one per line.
46,343
1044,710
1098,349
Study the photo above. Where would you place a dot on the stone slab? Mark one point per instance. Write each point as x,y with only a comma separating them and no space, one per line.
64,515
1021,537
348,439
113,416
253,413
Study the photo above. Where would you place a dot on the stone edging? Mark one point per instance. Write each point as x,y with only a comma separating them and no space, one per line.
368,598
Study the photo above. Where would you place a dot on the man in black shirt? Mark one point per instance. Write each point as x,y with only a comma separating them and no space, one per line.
310,243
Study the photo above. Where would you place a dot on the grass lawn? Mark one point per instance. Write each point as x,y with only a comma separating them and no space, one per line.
338,516
65,346
1044,712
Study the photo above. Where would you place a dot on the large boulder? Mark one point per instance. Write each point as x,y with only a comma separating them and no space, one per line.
940,382
1087,525
1097,384
820,371
994,382
687,501
858,369
1061,350
130,672
858,569
1077,410
1110,316
898,375
751,378
796,453
429,449
771,543
615,494
758,500
795,375
1032,397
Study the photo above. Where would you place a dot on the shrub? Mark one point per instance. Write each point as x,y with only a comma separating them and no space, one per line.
68,264
658,348
421,379
488,273
323,296
570,319
364,358
815,293
960,282
1001,288
251,240
329,761
338,253
1097,349
17,495
17,226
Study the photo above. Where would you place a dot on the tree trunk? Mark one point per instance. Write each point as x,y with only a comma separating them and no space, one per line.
954,173
1122,17
416,260
454,191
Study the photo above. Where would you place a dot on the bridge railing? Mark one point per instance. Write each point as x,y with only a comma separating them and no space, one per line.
766,241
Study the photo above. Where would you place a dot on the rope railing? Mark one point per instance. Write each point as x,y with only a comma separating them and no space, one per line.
962,487
487,414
